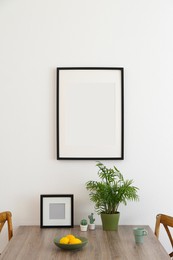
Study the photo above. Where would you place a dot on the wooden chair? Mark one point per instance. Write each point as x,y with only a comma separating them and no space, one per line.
6,216
167,222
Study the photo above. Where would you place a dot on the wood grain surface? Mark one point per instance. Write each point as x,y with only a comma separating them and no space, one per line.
33,243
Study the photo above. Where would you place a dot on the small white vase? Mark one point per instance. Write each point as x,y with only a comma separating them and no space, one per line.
92,226
83,227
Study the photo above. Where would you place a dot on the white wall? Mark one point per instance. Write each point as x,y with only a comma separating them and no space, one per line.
38,36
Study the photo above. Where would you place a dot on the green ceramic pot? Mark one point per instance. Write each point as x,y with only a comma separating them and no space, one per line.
110,221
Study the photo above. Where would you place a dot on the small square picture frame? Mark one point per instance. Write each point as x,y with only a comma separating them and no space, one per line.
56,210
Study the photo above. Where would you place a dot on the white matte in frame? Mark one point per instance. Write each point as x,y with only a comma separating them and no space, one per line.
61,221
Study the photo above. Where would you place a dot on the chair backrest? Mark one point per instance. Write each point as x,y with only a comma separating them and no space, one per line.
166,221
6,216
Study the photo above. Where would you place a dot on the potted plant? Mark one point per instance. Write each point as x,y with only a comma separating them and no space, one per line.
109,193
91,221
83,225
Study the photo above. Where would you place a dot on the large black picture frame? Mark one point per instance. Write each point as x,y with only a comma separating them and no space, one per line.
90,113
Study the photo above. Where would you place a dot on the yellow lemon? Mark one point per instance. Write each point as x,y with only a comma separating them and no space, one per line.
75,241
64,240
70,236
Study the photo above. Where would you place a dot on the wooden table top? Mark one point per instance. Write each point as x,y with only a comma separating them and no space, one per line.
34,243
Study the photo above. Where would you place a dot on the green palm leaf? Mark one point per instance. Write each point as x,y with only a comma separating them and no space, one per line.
111,190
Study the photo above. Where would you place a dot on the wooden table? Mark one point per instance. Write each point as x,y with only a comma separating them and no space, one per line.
33,243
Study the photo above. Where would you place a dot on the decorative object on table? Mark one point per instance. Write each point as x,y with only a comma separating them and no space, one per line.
139,234
108,193
56,210
70,243
85,98
91,221
83,225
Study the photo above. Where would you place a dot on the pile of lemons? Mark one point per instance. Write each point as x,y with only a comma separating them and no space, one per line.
70,239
